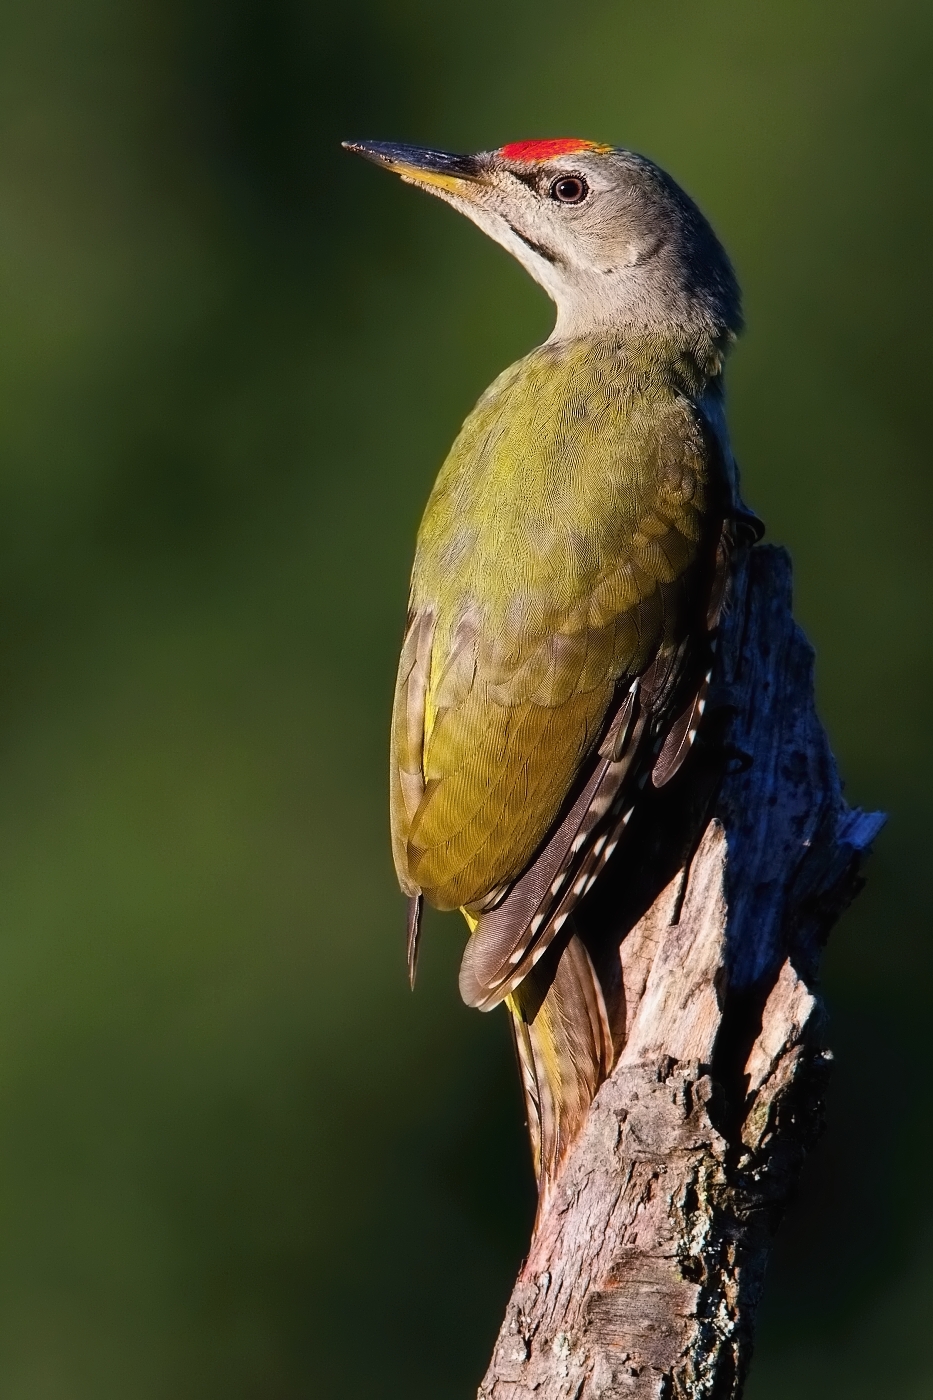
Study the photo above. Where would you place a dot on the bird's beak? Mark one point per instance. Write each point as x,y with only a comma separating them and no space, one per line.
435,170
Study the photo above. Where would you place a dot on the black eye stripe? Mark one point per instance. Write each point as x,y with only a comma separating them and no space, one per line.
529,178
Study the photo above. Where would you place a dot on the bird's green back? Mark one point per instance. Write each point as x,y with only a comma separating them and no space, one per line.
554,558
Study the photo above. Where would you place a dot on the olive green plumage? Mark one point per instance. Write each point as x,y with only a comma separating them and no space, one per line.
569,573
554,559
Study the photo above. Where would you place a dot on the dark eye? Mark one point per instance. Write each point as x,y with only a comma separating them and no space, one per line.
570,189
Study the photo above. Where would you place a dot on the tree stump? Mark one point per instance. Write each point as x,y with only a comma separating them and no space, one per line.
646,1264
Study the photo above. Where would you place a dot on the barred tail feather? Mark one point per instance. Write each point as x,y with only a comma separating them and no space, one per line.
564,1049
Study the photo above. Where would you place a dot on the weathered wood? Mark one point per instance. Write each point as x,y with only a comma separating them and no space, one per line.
647,1260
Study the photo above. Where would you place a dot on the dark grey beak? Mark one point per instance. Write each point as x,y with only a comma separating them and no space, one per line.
415,163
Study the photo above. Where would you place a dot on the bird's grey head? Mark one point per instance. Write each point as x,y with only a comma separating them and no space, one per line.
612,239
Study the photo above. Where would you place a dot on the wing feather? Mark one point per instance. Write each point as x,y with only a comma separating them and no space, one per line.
543,587
406,771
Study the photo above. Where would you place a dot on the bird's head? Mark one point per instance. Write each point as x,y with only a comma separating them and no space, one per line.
612,239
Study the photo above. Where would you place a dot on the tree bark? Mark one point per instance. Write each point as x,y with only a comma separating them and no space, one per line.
647,1260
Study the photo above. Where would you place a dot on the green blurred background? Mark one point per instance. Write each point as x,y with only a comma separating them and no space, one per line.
237,1158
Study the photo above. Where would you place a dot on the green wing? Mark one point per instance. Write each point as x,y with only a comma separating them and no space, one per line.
560,556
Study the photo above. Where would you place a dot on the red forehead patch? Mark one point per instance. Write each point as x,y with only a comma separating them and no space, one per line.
545,150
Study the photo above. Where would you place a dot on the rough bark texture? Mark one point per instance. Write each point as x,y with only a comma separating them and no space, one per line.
646,1264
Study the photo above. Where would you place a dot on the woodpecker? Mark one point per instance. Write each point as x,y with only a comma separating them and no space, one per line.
570,571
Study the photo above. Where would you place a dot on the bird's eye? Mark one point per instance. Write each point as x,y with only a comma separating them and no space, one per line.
569,189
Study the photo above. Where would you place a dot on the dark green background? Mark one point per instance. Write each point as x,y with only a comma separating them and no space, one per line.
237,1159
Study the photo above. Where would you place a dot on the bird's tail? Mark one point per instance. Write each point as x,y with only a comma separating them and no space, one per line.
564,1049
